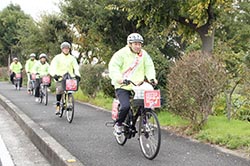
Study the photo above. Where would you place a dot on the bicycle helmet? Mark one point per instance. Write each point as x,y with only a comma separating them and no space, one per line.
32,55
15,59
42,56
134,37
65,45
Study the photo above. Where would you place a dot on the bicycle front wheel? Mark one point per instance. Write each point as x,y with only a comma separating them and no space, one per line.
70,108
149,134
45,93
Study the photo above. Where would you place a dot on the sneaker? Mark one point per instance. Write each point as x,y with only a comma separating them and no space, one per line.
57,110
37,99
117,129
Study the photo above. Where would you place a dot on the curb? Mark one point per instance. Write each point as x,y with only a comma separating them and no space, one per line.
55,153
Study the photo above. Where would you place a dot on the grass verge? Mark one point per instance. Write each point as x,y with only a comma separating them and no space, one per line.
233,134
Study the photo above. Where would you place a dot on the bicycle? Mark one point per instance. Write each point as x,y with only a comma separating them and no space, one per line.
142,120
67,100
43,90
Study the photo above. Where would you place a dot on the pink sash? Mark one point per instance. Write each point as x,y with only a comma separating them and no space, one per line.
129,72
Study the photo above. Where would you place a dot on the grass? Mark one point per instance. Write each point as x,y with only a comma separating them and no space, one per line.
100,100
233,134
169,119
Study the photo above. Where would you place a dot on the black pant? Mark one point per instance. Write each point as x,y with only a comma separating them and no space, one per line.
124,99
12,75
37,87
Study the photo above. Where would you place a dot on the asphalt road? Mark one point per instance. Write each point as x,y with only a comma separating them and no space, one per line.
93,143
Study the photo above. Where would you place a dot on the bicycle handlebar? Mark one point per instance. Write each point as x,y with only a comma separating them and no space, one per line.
127,82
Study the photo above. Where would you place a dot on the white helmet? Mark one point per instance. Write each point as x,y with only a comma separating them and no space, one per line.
32,55
134,37
65,45
15,59
42,56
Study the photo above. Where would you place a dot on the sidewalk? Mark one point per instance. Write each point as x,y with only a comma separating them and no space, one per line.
15,147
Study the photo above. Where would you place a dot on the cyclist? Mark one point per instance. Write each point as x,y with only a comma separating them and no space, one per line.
129,63
41,68
28,67
15,68
60,65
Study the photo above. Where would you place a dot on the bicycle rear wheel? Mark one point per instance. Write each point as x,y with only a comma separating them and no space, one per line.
70,108
122,138
149,134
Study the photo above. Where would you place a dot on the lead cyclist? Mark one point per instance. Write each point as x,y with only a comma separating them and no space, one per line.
129,63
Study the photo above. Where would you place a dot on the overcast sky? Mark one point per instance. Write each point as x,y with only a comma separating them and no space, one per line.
33,7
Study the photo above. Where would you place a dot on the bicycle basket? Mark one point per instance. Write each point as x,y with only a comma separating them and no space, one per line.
33,76
138,99
71,85
46,80
18,75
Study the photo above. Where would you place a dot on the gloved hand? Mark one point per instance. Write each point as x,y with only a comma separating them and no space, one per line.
37,75
153,82
126,82
56,77
78,78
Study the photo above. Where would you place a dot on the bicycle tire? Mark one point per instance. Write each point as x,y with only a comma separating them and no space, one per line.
41,94
149,134
70,108
62,106
45,93
121,139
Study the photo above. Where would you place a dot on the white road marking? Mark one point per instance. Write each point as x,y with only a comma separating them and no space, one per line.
4,154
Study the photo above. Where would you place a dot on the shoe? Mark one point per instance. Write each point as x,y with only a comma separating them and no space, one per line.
57,110
37,99
117,130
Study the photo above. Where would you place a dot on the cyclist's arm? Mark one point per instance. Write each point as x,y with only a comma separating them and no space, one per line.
114,69
52,67
76,67
149,68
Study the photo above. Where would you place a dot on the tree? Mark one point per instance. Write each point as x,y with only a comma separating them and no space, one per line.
11,21
54,30
185,17
232,40
100,27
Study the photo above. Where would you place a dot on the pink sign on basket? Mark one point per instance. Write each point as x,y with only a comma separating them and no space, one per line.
71,85
46,79
152,99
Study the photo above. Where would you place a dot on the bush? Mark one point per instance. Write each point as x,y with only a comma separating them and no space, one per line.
107,88
91,76
193,83
4,73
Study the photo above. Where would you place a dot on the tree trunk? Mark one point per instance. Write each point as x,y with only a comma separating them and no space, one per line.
207,39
